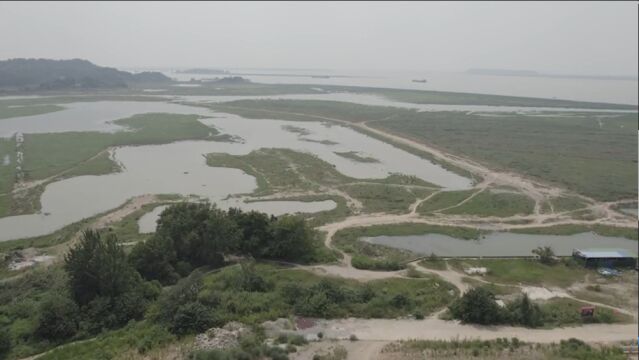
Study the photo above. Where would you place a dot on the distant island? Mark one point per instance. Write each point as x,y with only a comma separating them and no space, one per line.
202,71
230,80
532,73
46,74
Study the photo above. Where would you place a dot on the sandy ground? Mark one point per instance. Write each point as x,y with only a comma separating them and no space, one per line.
436,329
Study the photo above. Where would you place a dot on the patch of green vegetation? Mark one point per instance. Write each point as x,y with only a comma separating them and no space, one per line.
9,111
433,262
382,198
571,151
98,165
567,203
525,271
316,219
318,110
296,129
285,170
303,293
379,257
443,200
7,172
139,337
571,229
52,153
354,155
564,311
487,203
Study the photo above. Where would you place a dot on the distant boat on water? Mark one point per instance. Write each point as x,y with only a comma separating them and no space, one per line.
419,81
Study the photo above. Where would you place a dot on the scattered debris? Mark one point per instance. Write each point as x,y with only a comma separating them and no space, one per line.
476,271
222,338
608,272
23,259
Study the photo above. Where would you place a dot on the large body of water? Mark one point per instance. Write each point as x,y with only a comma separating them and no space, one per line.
500,244
180,167
611,91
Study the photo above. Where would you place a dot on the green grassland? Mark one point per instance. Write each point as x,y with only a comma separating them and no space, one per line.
592,157
285,170
487,203
10,111
503,348
7,172
443,200
51,153
383,198
574,152
319,110
410,96
525,271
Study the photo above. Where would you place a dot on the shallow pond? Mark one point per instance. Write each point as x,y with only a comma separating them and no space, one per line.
180,168
500,244
90,116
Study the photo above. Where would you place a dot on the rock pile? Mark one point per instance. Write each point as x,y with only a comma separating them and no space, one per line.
221,338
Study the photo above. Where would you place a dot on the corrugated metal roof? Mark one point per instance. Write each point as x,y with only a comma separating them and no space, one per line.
606,253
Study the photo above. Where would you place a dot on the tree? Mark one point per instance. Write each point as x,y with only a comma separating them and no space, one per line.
546,254
255,228
199,233
292,239
155,259
98,267
477,306
5,343
58,319
190,318
524,312
104,284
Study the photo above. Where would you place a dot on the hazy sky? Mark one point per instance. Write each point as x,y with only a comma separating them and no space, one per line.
575,38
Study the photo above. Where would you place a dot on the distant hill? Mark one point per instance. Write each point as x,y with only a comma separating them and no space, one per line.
34,74
202,71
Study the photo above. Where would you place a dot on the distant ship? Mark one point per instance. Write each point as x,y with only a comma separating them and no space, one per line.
419,81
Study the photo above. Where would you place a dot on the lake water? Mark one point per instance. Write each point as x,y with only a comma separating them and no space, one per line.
500,244
374,100
148,222
612,91
180,167
90,116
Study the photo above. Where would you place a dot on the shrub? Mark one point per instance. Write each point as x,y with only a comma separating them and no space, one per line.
58,319
191,318
5,343
477,306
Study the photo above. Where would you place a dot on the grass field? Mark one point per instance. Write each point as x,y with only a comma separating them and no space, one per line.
49,154
9,111
525,271
7,172
288,171
383,198
411,96
572,151
593,154
487,203
443,200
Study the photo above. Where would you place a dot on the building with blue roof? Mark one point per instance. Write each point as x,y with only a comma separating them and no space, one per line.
605,257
